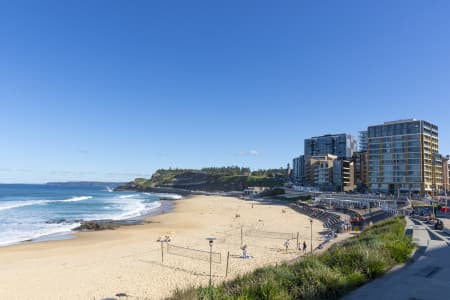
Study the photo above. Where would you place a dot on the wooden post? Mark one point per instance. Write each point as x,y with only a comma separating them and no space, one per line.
228,259
297,240
162,253
210,264
311,221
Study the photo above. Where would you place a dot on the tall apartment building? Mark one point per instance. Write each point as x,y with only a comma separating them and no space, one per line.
403,157
361,165
363,140
445,174
341,145
298,168
437,176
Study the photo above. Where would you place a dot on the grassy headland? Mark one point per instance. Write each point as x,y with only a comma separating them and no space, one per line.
209,179
344,267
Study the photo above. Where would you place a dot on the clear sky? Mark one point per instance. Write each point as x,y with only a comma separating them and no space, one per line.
111,90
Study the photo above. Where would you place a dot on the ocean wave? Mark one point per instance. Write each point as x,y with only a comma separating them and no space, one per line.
16,204
131,210
75,199
136,210
35,231
166,196
128,196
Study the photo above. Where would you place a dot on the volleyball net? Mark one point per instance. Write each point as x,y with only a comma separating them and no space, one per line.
194,253
270,234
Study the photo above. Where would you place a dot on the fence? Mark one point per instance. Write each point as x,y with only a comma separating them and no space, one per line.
194,253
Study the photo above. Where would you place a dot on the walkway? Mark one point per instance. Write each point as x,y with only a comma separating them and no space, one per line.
427,277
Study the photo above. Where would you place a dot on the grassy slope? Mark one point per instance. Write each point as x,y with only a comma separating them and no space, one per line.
166,178
330,275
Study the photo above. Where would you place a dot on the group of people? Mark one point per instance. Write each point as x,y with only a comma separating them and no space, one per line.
300,246
346,227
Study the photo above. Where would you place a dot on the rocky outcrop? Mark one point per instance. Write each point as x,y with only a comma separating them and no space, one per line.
98,225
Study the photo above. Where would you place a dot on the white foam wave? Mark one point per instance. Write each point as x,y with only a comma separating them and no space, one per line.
33,232
75,199
16,204
166,196
129,210
136,209
128,196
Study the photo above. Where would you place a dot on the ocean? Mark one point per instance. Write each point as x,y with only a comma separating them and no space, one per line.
39,211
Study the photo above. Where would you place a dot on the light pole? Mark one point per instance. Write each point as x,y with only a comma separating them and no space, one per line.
311,221
211,242
446,200
162,240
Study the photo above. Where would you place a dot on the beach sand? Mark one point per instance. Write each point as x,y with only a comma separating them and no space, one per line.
98,265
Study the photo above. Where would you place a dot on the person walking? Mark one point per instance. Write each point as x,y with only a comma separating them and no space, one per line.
286,245
304,246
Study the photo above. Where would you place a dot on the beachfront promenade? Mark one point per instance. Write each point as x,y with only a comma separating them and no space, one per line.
426,277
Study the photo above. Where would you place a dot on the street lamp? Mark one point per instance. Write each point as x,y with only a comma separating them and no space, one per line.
311,221
162,240
211,242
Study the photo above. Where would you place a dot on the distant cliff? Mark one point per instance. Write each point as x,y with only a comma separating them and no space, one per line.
86,183
207,179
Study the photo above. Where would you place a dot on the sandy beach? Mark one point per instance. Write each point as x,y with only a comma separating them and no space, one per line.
98,265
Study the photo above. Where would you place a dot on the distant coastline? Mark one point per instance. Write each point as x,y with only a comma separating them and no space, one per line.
85,183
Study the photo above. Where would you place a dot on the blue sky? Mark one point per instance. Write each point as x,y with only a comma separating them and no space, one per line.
111,90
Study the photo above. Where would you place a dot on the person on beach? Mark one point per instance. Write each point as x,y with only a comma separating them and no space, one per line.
286,245
244,252
304,246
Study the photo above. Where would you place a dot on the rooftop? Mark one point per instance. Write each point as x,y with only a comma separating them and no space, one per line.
399,121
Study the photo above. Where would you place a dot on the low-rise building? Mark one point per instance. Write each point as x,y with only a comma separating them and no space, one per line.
319,171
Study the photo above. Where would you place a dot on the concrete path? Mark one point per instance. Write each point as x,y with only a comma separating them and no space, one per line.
427,277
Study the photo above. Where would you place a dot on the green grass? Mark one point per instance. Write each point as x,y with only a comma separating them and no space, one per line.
344,267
